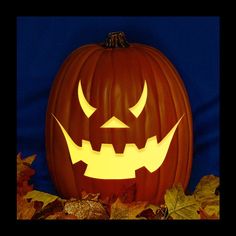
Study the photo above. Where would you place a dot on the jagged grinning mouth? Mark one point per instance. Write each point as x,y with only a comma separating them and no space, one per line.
107,164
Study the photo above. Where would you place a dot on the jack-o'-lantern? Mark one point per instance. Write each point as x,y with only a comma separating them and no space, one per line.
118,114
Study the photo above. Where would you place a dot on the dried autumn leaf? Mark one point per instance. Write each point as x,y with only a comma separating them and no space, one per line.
205,189
153,207
46,198
162,213
181,206
213,210
205,194
147,214
23,166
25,209
24,172
122,211
90,196
38,207
205,216
50,209
85,209
28,160
24,187
153,212
61,216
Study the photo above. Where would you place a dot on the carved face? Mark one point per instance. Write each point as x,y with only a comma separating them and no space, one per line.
116,117
107,163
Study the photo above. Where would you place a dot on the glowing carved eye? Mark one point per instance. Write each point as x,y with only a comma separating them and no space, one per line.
138,107
87,108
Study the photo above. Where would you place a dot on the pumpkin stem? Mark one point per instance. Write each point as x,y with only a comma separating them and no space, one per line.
116,40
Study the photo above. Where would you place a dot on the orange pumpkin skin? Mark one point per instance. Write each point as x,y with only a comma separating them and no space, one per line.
112,81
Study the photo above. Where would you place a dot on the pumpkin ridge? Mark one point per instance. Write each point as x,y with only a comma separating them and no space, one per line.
179,168
184,98
184,93
140,55
95,94
187,106
155,62
139,58
51,107
60,88
91,55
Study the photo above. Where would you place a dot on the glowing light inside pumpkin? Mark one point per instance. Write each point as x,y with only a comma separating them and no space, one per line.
138,107
106,164
87,108
113,122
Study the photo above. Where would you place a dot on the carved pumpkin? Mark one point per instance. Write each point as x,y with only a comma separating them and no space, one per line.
118,114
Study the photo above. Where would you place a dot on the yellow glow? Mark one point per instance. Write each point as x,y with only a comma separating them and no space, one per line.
106,164
114,123
138,107
87,108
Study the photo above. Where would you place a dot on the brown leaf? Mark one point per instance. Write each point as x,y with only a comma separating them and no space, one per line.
61,216
24,172
24,169
85,209
121,210
90,196
23,188
38,206
50,209
27,161
205,216
148,214
153,212
25,209
162,213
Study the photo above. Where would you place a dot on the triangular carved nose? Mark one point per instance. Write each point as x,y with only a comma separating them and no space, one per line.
114,122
